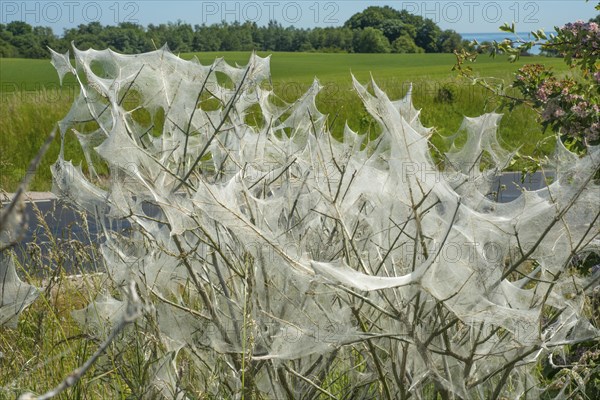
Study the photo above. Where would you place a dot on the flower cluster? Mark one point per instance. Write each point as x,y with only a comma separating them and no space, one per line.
568,106
578,42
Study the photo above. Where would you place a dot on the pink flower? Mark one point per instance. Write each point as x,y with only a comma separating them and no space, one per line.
593,27
580,109
548,114
593,133
573,97
542,94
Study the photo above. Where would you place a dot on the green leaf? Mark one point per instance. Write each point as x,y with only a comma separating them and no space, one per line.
508,28
542,34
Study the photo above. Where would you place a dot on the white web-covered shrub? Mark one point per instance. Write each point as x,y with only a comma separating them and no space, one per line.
284,262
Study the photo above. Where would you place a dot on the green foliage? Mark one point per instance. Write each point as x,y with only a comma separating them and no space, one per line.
447,93
428,34
374,17
423,32
569,105
370,40
579,43
448,41
19,39
372,31
395,28
405,44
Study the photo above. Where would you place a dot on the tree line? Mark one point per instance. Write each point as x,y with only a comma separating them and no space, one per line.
374,30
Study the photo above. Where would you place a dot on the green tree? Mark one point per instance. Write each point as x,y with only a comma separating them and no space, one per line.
85,36
18,28
19,39
7,49
301,41
373,30
180,36
127,38
372,17
248,35
428,35
276,37
158,34
206,38
449,40
394,28
317,37
394,24
405,44
337,39
370,40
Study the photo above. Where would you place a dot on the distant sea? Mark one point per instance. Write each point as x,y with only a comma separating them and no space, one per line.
499,36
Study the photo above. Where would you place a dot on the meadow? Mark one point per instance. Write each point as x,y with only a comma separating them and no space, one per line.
33,100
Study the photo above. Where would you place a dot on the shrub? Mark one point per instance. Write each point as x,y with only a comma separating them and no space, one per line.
280,262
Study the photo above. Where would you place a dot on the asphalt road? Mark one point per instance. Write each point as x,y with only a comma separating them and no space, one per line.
511,184
63,233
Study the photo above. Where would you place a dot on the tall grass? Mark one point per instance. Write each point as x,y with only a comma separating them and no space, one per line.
32,102
25,121
48,343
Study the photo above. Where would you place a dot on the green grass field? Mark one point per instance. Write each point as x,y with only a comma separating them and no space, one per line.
29,74
33,101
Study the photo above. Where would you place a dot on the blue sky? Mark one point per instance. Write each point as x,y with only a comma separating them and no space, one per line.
464,16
